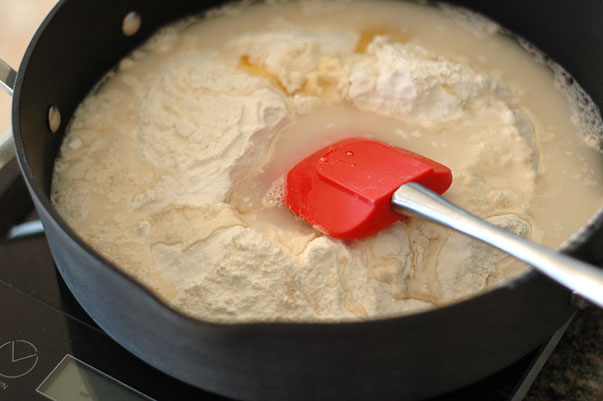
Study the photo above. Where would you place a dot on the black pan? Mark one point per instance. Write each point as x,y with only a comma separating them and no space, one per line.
410,357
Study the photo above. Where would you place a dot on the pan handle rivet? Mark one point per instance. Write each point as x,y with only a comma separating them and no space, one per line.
54,119
131,23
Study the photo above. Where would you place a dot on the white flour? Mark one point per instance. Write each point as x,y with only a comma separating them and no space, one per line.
404,81
170,169
204,129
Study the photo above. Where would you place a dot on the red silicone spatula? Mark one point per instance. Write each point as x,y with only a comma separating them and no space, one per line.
345,189
357,187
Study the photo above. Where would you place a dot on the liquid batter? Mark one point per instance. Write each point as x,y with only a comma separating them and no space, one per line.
173,167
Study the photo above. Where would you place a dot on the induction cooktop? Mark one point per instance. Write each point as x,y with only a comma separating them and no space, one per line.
50,349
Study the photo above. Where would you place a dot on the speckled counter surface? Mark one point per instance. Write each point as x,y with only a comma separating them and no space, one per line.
574,370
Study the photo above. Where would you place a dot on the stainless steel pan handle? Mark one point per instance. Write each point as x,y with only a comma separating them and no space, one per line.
8,76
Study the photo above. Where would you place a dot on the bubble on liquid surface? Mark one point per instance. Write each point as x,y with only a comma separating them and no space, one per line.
275,196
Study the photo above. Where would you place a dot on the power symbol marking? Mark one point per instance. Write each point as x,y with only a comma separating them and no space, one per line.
17,358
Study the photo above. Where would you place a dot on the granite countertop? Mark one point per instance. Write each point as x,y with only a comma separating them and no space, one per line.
574,370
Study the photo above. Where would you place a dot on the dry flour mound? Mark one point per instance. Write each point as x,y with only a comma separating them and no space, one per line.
205,123
408,82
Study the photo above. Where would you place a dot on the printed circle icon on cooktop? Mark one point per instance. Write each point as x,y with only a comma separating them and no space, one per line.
17,358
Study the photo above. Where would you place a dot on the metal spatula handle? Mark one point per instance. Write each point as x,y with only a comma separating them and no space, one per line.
8,76
414,199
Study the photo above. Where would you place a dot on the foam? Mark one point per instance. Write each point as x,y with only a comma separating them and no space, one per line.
475,23
275,196
586,115
72,199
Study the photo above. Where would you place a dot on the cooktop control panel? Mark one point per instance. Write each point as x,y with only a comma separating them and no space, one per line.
50,349
38,344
